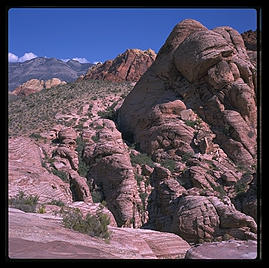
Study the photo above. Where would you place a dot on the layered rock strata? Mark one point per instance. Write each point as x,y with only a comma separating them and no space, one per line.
207,72
128,66
111,171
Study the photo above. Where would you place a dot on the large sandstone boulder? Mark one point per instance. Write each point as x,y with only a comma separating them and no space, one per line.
67,136
194,214
111,170
201,217
53,82
210,73
29,87
128,66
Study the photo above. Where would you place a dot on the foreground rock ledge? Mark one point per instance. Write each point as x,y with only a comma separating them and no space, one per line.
42,236
232,249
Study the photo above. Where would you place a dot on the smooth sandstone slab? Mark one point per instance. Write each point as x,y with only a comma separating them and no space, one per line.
41,236
232,249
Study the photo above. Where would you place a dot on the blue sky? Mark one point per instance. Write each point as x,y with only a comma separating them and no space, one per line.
91,34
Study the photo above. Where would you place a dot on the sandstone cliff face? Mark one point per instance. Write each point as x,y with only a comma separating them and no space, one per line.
111,170
128,66
35,85
27,174
196,107
206,72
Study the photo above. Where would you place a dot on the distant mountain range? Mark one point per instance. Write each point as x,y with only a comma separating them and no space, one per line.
44,69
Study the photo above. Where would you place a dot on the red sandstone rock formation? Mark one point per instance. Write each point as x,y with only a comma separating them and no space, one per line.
35,85
208,71
128,66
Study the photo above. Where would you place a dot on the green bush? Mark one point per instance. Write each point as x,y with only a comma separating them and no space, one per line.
169,164
24,203
93,225
42,209
61,174
82,166
58,203
35,136
97,196
240,187
141,159
185,156
96,138
109,113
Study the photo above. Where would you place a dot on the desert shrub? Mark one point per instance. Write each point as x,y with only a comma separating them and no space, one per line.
185,156
93,225
193,123
109,113
141,159
240,187
97,196
42,209
35,136
139,178
82,166
58,203
24,203
61,174
143,196
169,164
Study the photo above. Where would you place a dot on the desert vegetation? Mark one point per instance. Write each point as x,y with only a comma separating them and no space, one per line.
37,112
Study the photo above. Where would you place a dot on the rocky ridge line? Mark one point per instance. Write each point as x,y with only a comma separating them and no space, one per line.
128,66
35,85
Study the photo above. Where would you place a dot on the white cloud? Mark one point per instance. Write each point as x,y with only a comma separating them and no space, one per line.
27,56
65,60
81,60
96,62
12,57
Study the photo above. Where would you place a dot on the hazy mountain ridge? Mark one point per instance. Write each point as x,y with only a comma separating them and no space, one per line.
45,69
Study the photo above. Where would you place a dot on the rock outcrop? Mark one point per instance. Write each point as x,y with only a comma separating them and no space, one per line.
111,171
196,107
27,173
206,72
200,217
41,236
29,87
250,40
35,85
232,249
128,66
194,215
